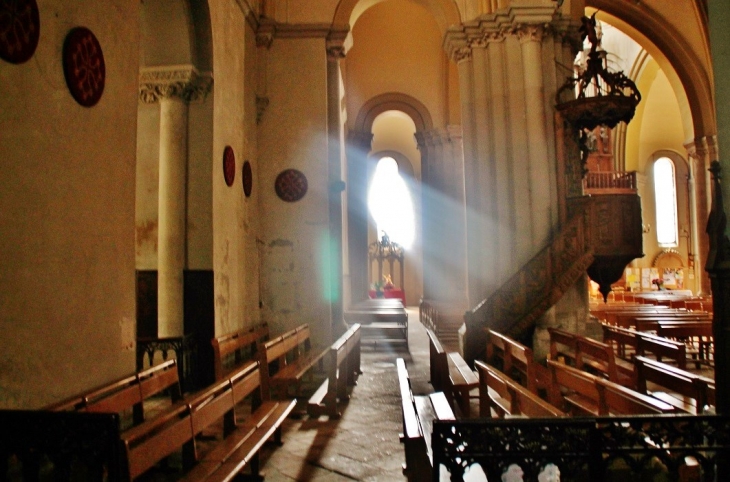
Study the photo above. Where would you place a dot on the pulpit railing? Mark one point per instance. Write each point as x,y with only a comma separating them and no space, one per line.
610,182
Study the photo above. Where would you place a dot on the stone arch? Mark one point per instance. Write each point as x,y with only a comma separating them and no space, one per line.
393,101
689,75
445,12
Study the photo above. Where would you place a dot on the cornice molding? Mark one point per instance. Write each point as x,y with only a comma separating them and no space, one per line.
181,81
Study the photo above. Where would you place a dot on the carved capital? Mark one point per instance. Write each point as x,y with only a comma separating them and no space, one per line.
182,81
462,54
265,34
360,140
337,43
530,33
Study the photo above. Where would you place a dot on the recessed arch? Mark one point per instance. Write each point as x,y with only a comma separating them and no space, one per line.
445,12
689,75
393,101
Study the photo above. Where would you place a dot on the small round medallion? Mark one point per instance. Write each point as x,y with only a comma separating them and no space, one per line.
247,178
291,185
83,66
20,28
229,165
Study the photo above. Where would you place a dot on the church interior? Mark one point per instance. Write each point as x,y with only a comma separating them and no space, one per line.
200,172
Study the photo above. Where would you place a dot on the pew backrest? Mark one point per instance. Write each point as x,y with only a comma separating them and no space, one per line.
232,350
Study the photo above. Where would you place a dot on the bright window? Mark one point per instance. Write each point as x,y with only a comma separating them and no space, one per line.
390,204
665,193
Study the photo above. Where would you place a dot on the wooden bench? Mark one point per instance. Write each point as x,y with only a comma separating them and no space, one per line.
562,345
289,358
451,374
343,366
580,392
697,337
688,392
381,320
127,393
516,361
501,396
231,351
643,343
418,413
592,355
219,405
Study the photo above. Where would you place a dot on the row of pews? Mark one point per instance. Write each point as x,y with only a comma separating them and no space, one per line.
142,426
527,412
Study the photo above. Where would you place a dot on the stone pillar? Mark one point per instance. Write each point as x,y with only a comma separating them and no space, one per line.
540,206
335,52
172,88
358,148
462,54
171,242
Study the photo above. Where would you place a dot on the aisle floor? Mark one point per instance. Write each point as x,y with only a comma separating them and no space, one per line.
363,444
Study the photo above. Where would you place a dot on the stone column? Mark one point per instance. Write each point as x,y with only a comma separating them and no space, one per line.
172,88
358,148
540,206
335,52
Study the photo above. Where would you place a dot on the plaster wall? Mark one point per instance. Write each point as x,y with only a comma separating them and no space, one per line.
233,111
295,246
67,173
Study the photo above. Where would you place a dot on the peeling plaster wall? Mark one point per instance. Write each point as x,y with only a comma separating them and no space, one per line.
292,134
67,173
234,110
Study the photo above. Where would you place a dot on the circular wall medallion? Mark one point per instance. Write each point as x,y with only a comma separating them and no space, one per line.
83,66
229,165
247,178
20,28
291,185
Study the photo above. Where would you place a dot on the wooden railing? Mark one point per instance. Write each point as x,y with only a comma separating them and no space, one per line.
527,295
185,350
610,182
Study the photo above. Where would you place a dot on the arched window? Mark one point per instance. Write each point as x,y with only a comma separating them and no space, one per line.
390,204
665,194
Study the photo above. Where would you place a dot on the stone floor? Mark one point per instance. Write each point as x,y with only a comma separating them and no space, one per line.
363,444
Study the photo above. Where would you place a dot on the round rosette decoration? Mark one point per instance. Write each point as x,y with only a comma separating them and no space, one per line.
229,166
20,29
247,178
291,185
83,66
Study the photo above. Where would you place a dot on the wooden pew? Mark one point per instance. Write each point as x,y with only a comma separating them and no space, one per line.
451,374
588,354
219,405
580,392
343,366
516,361
698,338
293,357
643,343
418,413
500,395
127,393
231,351
689,392
562,345
651,323
381,320
592,355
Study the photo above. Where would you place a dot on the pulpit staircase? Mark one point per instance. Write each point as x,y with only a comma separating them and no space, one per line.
514,307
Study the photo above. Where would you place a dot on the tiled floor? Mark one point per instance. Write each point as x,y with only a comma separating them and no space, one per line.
363,444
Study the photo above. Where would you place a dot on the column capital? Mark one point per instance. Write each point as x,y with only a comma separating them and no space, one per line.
173,81
456,44
361,140
338,42
531,33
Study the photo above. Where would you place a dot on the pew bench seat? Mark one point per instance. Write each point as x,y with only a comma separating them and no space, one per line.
290,358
